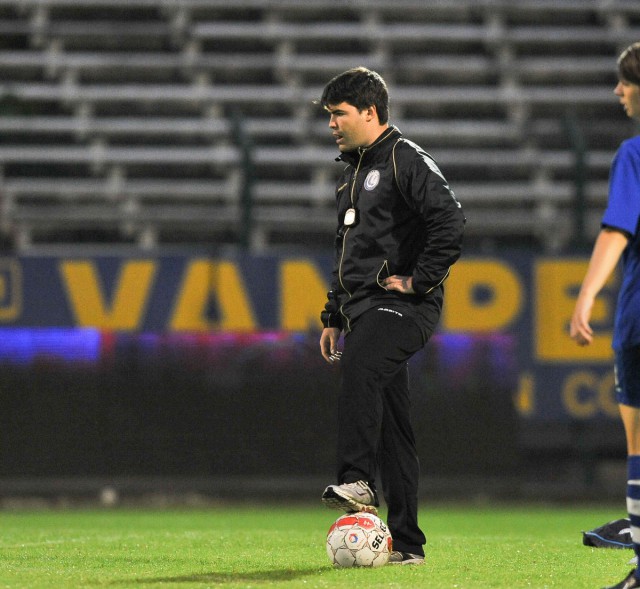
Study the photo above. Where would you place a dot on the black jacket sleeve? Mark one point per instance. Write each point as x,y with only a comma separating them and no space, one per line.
424,187
330,315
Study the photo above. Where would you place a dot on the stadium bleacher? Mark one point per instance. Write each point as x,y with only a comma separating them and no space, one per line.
129,121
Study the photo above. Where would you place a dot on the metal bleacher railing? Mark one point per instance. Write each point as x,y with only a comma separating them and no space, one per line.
118,117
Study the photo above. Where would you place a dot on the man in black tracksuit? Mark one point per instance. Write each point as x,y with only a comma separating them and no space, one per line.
399,232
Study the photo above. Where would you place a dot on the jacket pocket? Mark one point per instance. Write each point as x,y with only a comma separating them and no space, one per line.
383,273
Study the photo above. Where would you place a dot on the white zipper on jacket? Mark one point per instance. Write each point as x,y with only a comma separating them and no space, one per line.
344,237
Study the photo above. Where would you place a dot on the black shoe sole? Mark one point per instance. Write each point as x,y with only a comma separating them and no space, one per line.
335,501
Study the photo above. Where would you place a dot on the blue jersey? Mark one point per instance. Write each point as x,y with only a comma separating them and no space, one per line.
623,213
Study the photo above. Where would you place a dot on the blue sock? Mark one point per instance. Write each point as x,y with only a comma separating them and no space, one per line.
633,502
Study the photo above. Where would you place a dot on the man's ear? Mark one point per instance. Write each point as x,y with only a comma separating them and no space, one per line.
371,112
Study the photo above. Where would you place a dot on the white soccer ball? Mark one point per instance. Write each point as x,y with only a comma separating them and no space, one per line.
359,540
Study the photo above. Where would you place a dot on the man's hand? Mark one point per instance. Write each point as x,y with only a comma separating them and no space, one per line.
579,329
609,246
329,344
403,284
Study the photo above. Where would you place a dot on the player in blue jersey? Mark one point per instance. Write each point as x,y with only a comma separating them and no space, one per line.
620,238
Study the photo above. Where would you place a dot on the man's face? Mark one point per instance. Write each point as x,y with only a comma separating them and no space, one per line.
349,126
629,95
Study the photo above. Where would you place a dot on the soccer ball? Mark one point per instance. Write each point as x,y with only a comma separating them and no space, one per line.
359,540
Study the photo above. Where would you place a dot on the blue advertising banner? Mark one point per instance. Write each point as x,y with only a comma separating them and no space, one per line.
519,296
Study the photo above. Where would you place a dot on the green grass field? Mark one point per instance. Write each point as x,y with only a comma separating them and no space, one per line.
243,547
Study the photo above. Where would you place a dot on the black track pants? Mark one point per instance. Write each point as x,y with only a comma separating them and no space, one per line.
374,423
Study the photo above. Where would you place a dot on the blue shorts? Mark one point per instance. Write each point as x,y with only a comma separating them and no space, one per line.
627,371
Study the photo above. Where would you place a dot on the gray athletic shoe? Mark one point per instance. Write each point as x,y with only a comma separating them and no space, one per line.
397,557
351,497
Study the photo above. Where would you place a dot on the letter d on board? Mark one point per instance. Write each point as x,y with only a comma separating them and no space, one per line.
483,296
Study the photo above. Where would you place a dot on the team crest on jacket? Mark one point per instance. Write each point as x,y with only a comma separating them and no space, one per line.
372,179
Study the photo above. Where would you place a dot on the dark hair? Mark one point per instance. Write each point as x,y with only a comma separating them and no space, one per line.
361,88
629,64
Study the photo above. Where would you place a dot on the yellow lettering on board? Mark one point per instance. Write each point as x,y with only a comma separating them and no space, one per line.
303,293
525,397
204,279
495,311
10,289
607,395
578,394
586,393
553,307
87,298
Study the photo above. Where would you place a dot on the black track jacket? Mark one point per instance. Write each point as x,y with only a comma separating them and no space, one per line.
407,222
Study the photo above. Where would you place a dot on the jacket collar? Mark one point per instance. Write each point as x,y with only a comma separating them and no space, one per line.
351,157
